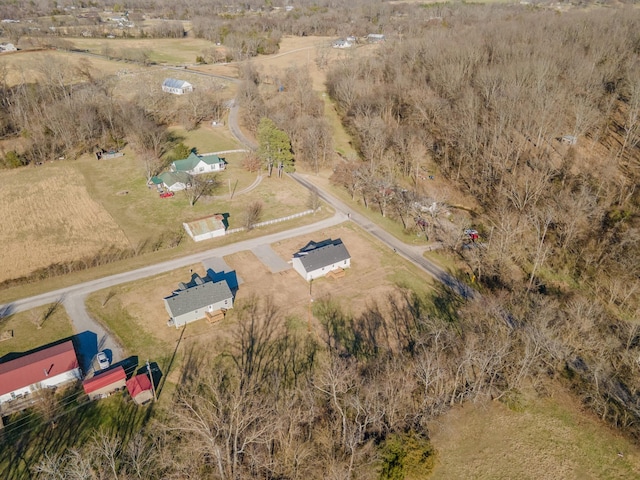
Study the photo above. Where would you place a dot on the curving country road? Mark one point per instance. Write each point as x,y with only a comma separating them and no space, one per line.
73,297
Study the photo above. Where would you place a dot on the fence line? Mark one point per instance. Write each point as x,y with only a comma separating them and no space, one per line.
271,222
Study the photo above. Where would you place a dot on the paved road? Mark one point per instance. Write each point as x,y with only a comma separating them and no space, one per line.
72,296
82,322
412,253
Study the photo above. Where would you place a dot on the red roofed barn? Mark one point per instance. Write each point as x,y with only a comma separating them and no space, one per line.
140,389
49,367
104,384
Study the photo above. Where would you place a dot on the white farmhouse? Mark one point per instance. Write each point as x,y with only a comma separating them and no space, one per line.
196,164
177,87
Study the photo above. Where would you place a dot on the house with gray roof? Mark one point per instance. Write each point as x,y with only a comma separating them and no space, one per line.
198,299
177,87
196,164
317,259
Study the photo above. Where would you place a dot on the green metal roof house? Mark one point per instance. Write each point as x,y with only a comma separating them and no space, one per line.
174,181
195,164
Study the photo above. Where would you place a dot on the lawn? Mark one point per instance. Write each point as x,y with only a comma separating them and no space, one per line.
120,186
27,335
137,316
159,50
549,438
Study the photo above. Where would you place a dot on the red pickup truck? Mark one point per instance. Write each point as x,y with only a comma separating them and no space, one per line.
166,194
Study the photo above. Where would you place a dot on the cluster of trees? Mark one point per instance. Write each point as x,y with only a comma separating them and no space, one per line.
291,105
558,220
59,116
357,398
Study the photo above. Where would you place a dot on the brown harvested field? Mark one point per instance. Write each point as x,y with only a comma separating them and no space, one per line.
296,51
27,66
548,439
48,216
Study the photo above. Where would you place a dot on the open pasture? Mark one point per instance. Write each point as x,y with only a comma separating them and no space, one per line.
551,438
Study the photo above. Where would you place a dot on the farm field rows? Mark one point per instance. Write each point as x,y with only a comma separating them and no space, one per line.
48,217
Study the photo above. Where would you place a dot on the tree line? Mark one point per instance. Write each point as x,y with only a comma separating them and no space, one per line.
538,125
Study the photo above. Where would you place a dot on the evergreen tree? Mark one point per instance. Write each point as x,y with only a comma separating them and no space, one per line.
275,146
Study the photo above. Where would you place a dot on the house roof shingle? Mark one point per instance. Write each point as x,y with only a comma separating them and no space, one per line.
36,367
198,296
317,255
104,379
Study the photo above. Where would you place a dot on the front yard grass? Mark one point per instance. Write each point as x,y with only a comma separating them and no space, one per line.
26,334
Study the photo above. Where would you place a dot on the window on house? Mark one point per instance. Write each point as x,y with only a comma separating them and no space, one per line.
201,169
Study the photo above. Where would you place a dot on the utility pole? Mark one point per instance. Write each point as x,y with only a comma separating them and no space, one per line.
153,387
310,302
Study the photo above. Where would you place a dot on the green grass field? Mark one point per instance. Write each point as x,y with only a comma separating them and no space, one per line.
159,50
26,334
545,439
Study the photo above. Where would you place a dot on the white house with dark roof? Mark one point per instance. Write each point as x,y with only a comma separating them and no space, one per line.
177,87
199,299
316,259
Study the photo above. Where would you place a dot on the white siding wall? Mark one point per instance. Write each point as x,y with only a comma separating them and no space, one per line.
49,382
320,272
189,317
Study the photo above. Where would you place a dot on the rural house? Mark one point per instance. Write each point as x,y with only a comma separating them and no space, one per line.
104,384
46,368
199,299
196,164
177,87
318,259
375,38
140,389
7,47
206,227
172,181
342,44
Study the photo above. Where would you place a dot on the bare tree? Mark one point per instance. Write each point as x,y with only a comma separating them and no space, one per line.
252,214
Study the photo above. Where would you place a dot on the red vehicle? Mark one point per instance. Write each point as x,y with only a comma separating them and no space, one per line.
166,194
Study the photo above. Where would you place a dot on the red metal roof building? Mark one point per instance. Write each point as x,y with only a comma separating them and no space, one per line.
140,389
103,384
48,367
